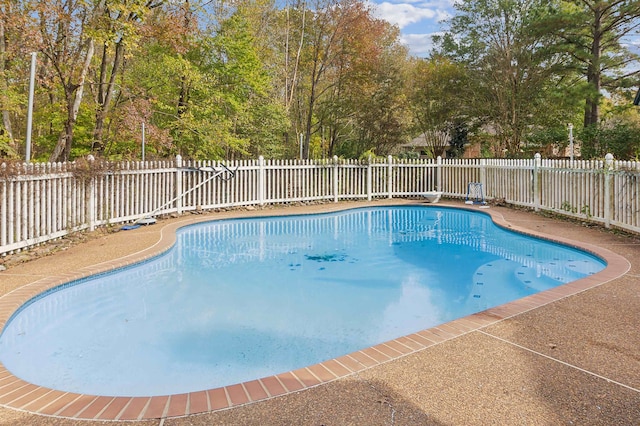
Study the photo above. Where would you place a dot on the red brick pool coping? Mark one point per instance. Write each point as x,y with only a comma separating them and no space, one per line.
21,395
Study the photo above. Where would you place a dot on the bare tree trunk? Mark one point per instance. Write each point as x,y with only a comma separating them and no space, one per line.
290,85
65,141
592,104
6,122
333,139
315,77
6,118
105,94
183,97
185,86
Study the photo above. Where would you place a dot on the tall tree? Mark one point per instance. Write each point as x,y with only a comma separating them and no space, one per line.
328,29
593,33
375,86
438,90
117,29
245,88
18,38
211,90
293,50
6,131
340,56
68,44
514,71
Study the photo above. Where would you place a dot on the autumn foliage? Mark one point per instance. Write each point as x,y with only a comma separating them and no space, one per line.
316,78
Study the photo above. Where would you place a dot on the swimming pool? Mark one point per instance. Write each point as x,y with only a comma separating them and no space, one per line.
371,274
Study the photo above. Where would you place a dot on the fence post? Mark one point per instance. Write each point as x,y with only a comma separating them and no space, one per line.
261,180
335,178
537,159
369,178
91,198
390,176
483,176
178,193
608,190
439,174
4,201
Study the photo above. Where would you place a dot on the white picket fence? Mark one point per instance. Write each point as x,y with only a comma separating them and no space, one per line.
40,202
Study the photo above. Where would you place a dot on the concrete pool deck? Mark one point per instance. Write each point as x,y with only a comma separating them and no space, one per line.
566,356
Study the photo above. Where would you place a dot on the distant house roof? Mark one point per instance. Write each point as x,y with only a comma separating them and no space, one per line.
419,142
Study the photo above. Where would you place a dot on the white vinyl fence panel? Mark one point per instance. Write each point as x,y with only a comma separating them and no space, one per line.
574,189
624,197
456,175
39,202
290,180
413,177
509,180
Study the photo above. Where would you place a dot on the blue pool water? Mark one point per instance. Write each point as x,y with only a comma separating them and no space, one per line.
237,300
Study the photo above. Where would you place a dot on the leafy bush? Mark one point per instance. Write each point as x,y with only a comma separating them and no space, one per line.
542,140
6,148
459,138
621,139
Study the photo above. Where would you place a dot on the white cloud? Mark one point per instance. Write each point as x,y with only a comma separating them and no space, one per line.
416,13
418,20
419,45
403,14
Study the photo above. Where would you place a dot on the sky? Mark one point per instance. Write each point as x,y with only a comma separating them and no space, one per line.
417,20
